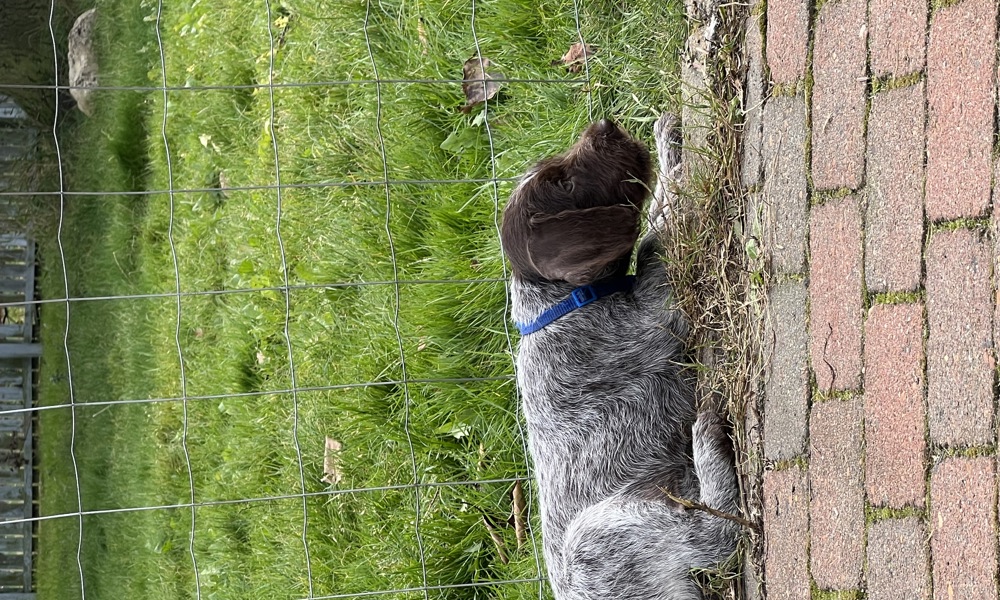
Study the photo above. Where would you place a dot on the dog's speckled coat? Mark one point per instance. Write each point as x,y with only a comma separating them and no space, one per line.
610,410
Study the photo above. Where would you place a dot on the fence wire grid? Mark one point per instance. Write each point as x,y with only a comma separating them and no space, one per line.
421,483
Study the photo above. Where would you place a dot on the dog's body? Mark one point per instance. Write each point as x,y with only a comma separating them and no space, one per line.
608,405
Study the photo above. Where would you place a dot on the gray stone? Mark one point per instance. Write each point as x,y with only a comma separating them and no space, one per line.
786,392
753,105
83,61
784,159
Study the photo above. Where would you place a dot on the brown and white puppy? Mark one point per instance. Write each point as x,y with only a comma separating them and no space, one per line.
610,410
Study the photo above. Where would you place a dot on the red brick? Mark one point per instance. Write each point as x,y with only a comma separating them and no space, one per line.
836,507
786,392
894,405
839,57
787,39
897,560
959,346
996,247
786,534
835,294
784,157
963,529
960,68
897,36
895,185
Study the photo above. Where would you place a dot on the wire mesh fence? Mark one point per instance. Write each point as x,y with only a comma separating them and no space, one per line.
277,361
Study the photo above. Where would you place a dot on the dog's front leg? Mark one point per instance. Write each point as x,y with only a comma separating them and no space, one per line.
649,260
667,134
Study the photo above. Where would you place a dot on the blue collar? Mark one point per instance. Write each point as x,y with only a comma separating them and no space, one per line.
581,296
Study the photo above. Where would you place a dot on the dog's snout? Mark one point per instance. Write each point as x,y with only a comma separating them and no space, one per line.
605,126
602,130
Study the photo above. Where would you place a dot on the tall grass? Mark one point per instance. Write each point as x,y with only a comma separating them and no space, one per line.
232,425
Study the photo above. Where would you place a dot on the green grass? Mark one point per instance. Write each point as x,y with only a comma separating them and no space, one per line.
245,447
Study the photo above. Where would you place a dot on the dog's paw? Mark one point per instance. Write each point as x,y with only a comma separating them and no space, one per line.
667,134
666,125
708,426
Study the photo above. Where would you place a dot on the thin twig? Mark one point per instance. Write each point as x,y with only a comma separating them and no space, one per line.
712,511
497,540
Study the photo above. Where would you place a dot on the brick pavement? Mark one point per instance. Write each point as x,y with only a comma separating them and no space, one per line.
871,137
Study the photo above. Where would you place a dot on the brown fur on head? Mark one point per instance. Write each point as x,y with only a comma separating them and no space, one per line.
575,217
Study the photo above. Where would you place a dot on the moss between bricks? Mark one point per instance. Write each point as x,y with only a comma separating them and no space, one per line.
818,594
964,452
783,277
889,82
808,84
820,197
787,89
874,514
980,224
937,5
866,295
897,297
759,11
801,461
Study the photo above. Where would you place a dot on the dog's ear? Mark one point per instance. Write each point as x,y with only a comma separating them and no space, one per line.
576,245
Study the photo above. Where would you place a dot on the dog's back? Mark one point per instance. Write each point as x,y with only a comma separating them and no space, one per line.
609,407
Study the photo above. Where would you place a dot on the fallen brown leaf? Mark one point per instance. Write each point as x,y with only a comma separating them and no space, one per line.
576,57
331,461
520,531
422,36
497,540
478,83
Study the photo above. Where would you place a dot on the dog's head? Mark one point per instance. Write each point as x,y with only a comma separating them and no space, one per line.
575,217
